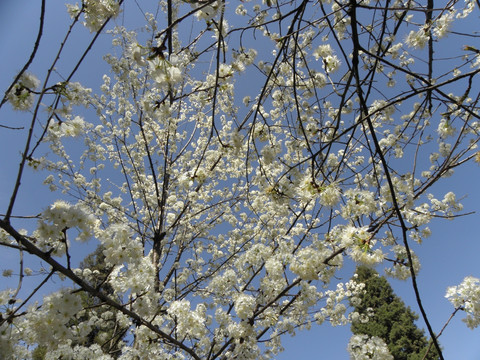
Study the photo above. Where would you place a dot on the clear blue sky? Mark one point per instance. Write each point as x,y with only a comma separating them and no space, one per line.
447,257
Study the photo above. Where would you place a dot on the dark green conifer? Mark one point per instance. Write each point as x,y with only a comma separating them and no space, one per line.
110,335
392,321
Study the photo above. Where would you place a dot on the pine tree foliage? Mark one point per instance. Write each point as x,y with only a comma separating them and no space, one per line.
229,158
109,333
392,320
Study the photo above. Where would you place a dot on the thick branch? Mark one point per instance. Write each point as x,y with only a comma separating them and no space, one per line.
32,249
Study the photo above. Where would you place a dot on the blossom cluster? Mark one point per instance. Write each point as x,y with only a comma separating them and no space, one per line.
364,347
119,245
164,72
207,11
189,322
48,324
466,297
330,61
96,12
223,223
69,128
21,96
51,233
71,93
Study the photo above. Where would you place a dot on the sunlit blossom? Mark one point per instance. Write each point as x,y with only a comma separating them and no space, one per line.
466,297
226,186
363,347
21,96
417,39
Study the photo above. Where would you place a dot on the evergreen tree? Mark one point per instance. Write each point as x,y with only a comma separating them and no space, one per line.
392,320
109,335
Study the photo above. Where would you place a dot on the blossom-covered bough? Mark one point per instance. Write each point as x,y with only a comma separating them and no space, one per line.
234,156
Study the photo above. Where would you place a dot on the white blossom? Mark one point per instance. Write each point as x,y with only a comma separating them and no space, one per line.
244,306
207,12
445,129
191,322
21,95
401,268
417,39
330,195
363,347
226,185
466,297
69,128
96,12
307,264
443,23
164,73
56,220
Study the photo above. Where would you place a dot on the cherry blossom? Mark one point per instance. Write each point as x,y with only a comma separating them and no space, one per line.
229,164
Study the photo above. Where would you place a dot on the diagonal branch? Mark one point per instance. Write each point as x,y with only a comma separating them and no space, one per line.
56,266
364,109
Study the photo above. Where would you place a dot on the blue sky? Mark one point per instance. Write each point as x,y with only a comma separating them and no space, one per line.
450,254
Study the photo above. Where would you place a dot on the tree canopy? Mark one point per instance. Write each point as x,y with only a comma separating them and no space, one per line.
231,159
389,318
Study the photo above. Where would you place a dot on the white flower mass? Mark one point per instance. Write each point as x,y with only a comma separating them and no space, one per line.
229,165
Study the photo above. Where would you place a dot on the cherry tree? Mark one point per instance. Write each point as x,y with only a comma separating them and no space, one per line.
236,155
